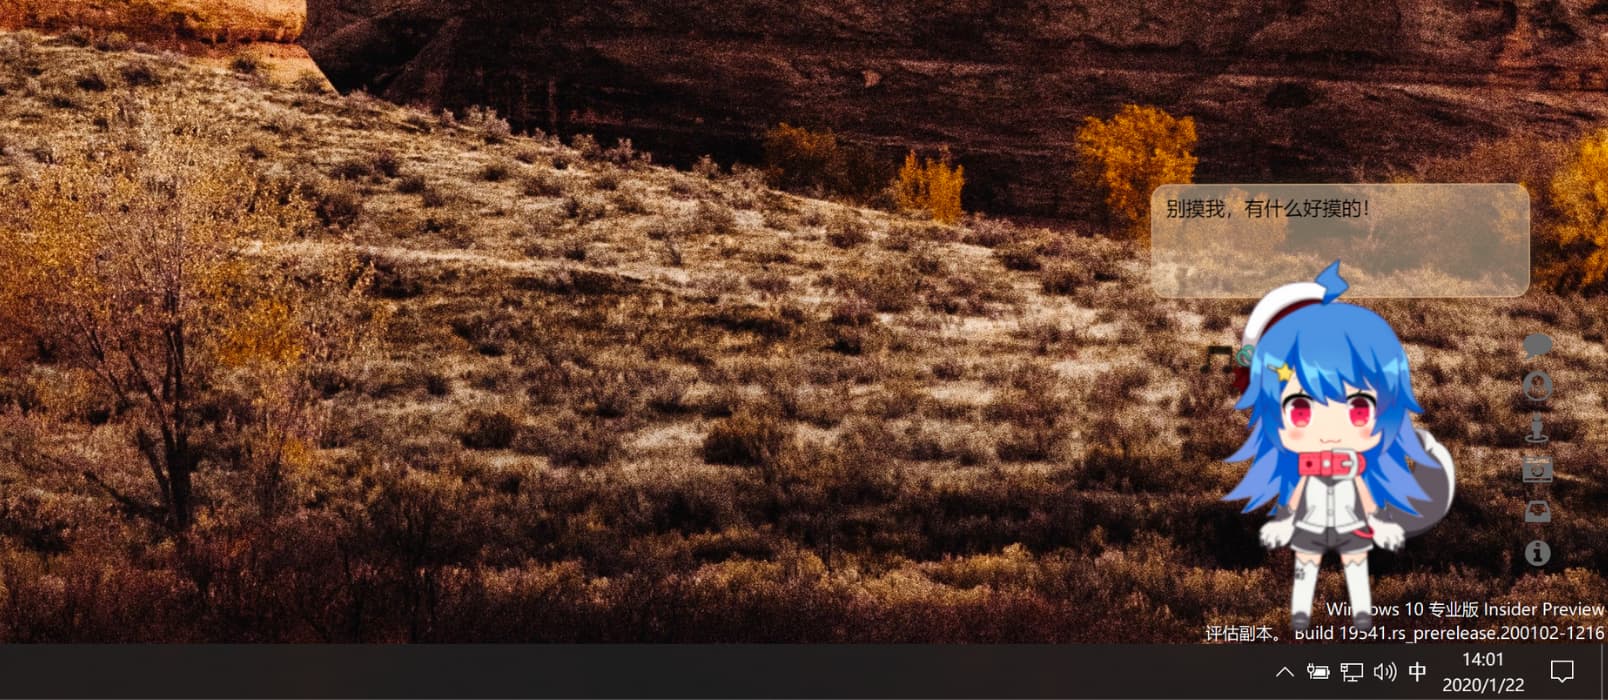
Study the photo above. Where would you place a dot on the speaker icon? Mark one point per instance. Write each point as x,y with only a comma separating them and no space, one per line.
1385,672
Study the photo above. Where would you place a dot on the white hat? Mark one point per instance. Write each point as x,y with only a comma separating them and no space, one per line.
1276,304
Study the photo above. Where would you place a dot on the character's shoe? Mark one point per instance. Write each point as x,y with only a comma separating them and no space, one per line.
1362,621
1300,621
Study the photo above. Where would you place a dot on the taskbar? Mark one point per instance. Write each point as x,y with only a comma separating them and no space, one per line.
803,671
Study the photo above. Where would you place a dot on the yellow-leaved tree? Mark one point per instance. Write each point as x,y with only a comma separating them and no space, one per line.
1129,155
818,163
800,158
932,185
157,266
1580,196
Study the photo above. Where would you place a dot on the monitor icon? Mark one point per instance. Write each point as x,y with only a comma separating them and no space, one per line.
1537,469
1351,671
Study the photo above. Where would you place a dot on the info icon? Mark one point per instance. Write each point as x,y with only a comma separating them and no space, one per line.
1537,553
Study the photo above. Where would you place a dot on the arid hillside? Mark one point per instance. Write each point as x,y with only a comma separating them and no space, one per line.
266,30
446,383
212,21
1302,90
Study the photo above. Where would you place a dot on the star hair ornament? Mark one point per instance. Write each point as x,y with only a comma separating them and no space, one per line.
1277,304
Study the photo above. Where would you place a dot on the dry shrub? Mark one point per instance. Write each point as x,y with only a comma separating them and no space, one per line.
569,439
310,83
713,218
630,202
799,158
624,154
586,146
772,284
139,72
438,197
607,181
496,171
890,286
245,64
974,293
1048,335
352,169
1033,403
337,204
990,233
542,184
528,155
93,78
1064,279
385,162
1021,256
493,128
667,390
584,209
751,437
488,430
113,41
847,230
412,184
706,168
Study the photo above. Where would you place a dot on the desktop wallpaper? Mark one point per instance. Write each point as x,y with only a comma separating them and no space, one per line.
640,321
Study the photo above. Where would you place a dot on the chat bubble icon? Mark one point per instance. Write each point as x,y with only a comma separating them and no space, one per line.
1537,344
1563,670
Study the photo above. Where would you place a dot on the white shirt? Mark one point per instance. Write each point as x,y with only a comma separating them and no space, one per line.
1330,501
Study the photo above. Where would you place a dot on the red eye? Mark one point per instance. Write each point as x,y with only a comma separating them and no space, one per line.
1361,410
1300,412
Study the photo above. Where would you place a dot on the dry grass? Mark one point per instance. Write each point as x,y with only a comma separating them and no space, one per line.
710,412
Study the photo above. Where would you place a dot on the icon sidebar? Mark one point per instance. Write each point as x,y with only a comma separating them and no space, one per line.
1537,469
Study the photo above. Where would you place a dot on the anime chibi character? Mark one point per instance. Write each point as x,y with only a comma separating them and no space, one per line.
1331,404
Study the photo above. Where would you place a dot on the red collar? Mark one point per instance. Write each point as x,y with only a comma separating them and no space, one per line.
1340,462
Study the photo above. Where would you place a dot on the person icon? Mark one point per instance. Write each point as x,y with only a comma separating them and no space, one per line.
1538,386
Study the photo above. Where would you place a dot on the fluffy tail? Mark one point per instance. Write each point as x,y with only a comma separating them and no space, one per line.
1440,484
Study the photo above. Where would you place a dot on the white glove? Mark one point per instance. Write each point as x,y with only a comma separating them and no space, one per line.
1277,533
1387,535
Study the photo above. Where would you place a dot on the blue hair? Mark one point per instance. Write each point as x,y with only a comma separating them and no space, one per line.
1331,345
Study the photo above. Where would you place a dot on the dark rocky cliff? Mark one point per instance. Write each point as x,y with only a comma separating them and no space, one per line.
1283,90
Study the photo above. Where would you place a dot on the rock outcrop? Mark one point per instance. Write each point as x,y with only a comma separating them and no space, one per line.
1282,90
217,29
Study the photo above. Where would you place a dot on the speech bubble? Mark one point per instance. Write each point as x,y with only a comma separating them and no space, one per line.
1403,240
1563,670
1537,344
